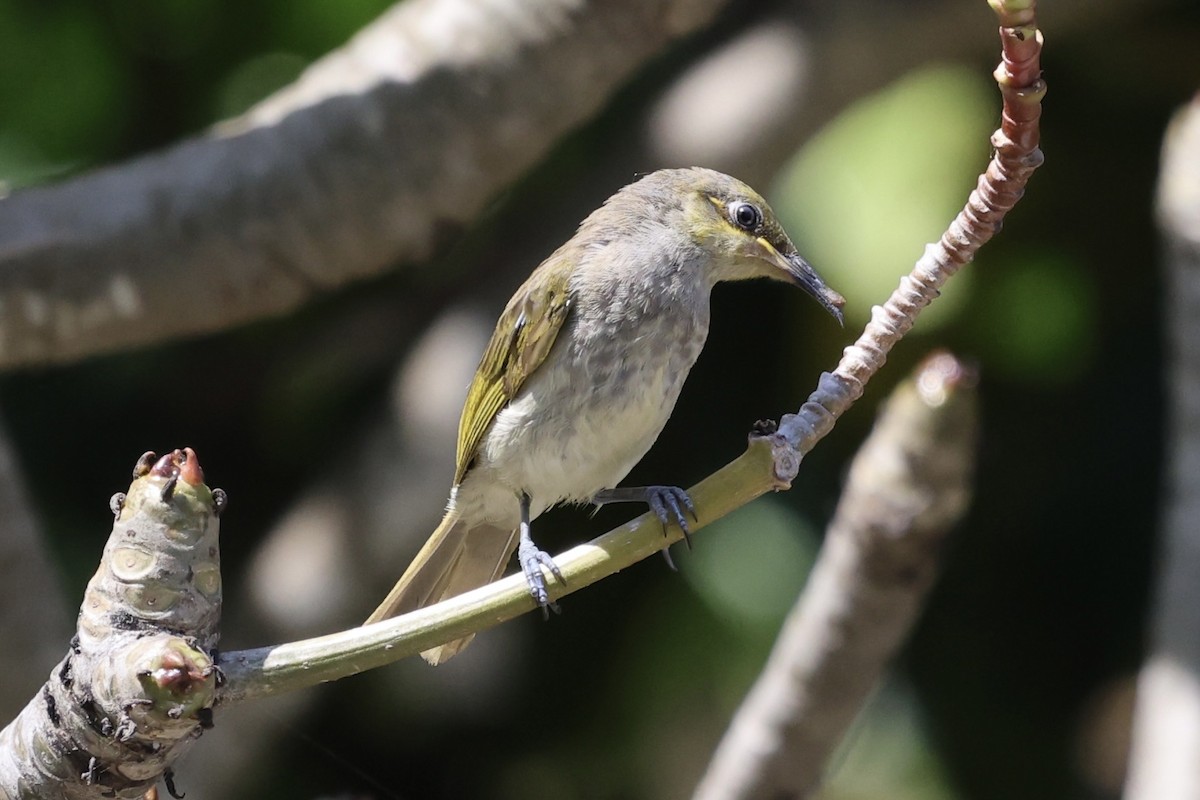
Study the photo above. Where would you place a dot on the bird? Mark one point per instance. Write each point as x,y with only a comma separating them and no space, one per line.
583,371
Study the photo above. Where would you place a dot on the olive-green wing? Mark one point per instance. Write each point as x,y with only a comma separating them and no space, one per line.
523,336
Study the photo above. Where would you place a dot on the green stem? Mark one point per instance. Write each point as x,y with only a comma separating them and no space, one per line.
267,671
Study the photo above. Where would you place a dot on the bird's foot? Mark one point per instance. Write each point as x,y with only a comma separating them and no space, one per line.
669,503
533,561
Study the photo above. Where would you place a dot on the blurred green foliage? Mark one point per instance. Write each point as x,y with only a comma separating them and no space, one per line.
83,82
65,92
868,191
889,753
753,564
1046,305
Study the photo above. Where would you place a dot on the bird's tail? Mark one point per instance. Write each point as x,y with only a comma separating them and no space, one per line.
456,559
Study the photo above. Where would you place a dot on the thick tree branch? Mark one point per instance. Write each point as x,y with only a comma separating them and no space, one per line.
136,687
1165,762
909,483
370,158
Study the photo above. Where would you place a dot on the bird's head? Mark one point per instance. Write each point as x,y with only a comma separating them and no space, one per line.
734,224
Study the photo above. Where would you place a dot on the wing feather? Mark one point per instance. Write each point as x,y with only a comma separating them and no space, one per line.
523,338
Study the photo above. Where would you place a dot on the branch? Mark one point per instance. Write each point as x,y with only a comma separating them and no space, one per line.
908,485
373,156
1015,158
137,686
1165,761
768,464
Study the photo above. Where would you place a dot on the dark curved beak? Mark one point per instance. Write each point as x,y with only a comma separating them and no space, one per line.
802,273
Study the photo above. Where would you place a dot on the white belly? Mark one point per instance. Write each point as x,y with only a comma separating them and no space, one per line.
542,446
579,424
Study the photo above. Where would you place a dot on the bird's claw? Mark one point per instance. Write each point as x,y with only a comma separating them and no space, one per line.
533,561
666,554
668,504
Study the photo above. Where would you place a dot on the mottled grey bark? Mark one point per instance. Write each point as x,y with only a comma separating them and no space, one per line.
908,485
386,146
371,158
1165,762
138,683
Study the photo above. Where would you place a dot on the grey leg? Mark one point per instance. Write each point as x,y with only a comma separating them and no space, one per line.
533,560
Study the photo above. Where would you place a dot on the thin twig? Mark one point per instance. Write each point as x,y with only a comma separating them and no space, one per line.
767,464
770,462
1015,157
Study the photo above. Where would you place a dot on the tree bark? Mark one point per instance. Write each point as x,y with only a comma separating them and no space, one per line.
908,485
1165,761
372,157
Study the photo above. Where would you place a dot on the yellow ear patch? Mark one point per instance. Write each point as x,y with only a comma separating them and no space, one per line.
768,247
723,215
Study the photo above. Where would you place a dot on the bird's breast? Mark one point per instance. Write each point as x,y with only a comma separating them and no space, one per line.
591,411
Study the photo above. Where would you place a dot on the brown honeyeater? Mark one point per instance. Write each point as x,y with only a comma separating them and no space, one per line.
584,369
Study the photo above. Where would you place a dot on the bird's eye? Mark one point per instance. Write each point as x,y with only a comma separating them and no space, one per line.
746,216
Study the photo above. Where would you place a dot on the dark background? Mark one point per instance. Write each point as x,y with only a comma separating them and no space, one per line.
1018,680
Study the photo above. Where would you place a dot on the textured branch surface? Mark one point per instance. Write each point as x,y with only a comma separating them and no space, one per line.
1165,761
1016,156
138,684
907,486
370,158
